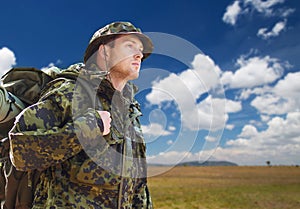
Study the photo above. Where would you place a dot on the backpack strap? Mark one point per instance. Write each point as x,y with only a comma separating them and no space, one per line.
10,105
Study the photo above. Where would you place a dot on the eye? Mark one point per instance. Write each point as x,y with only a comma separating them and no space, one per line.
130,45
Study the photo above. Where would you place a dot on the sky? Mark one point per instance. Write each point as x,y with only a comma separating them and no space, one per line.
222,82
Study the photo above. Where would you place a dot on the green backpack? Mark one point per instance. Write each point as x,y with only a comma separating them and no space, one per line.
20,87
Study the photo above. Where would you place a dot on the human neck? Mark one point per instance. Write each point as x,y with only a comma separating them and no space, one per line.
117,82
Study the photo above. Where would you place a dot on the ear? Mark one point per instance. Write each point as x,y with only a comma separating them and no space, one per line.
103,51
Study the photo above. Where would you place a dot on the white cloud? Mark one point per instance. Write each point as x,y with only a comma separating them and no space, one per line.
7,60
172,157
284,130
273,104
245,93
287,154
210,139
190,83
240,7
229,126
155,129
265,118
175,157
252,72
170,142
282,99
171,128
239,142
232,12
263,6
248,131
279,143
232,106
286,12
204,77
212,114
266,8
289,86
264,34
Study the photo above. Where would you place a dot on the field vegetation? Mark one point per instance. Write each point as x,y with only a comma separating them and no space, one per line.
226,187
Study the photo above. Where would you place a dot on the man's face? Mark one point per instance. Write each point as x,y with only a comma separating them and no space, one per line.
125,57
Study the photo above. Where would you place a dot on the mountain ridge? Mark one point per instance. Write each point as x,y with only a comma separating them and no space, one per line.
198,163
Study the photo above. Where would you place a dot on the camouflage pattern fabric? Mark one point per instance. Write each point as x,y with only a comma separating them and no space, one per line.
61,137
117,28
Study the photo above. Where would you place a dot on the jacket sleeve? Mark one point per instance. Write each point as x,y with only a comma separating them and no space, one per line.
49,131
142,198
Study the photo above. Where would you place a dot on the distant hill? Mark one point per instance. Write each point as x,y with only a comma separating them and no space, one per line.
208,163
197,163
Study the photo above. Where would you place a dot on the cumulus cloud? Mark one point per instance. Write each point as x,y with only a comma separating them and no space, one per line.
289,86
287,154
170,142
155,129
277,101
280,142
51,65
7,60
175,157
172,157
212,112
246,92
265,34
232,12
268,8
211,139
283,98
190,84
253,71
272,134
229,126
171,128
286,12
248,131
272,104
262,6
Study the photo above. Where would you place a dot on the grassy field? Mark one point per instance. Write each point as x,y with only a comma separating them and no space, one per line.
239,187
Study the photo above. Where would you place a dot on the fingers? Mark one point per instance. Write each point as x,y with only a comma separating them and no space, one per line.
106,119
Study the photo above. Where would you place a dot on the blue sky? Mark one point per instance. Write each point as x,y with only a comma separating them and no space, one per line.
222,83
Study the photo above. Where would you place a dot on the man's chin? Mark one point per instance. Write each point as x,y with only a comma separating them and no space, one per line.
134,76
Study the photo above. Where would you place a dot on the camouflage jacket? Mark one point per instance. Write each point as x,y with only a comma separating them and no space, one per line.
61,136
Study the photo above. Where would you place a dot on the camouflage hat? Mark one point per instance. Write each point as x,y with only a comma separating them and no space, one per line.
117,28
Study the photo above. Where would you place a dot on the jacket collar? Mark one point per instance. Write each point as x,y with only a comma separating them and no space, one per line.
99,82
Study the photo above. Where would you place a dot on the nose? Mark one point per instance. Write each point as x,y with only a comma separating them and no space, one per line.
138,54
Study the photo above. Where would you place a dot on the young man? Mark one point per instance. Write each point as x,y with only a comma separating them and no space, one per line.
84,134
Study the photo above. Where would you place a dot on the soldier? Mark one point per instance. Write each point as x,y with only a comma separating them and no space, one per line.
84,134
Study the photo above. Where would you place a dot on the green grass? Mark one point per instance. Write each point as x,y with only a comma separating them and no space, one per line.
226,187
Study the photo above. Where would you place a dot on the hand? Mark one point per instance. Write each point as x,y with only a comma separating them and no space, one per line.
105,116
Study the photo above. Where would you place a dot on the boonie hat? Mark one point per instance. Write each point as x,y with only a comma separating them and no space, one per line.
117,28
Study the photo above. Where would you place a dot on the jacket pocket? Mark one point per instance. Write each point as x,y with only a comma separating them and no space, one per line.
91,174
